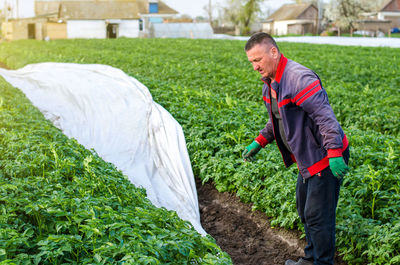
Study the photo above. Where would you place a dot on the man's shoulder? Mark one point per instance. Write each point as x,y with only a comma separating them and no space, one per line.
296,76
295,68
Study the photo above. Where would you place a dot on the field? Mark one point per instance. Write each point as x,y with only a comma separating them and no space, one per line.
210,88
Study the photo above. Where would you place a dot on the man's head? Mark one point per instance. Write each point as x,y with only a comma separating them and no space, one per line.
263,53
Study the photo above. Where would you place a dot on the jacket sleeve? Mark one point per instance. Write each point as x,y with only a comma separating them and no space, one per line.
313,99
266,135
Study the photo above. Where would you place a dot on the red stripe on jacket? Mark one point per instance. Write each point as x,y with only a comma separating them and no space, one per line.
267,100
312,92
305,90
284,102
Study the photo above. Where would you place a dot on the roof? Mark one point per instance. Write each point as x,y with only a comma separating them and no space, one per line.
117,9
164,9
289,11
391,6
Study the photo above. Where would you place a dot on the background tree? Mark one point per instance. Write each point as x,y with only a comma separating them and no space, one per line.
209,9
231,14
242,13
349,12
248,13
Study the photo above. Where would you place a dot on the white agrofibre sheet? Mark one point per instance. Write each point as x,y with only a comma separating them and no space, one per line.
108,111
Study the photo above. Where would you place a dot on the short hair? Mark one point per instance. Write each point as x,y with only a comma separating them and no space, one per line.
260,38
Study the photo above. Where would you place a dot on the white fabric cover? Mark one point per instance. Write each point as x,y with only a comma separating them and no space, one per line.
113,113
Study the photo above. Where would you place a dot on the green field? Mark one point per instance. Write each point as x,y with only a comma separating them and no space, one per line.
62,204
212,91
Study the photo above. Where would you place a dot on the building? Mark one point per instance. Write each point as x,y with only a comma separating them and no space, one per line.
292,19
382,21
60,19
181,30
390,11
24,28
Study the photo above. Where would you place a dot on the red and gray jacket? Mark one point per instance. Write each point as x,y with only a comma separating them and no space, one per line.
311,129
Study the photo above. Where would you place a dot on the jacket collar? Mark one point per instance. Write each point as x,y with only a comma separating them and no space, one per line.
281,68
279,71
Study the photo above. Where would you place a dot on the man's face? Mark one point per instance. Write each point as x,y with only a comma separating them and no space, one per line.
264,59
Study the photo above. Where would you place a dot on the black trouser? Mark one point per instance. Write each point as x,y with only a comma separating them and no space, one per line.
316,200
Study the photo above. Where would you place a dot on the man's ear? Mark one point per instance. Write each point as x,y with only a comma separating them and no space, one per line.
274,52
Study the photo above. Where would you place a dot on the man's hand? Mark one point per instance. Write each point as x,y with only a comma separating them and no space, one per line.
250,152
338,166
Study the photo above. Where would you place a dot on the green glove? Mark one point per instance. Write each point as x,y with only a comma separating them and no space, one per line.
338,166
250,152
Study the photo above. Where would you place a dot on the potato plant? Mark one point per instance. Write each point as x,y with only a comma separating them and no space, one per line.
62,204
210,88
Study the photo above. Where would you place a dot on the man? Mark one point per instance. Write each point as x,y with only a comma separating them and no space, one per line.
306,131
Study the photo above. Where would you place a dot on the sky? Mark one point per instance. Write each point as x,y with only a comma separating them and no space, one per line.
192,8
25,7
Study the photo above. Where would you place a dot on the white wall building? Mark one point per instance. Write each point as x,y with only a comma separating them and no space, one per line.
292,19
104,18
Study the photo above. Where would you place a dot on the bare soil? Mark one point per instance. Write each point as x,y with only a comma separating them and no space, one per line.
244,234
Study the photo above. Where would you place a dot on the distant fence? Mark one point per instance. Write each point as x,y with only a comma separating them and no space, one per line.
224,30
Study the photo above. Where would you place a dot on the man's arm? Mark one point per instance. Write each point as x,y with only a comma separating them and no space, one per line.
314,101
265,137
